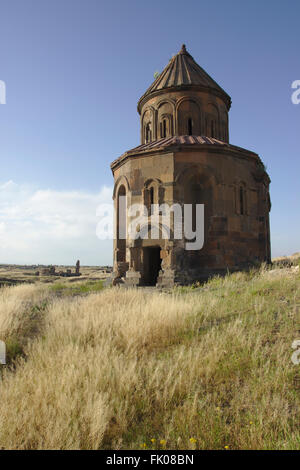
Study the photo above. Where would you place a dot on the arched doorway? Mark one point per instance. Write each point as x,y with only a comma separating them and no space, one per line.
121,224
151,265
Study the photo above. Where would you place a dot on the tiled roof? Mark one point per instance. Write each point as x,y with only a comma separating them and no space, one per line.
175,141
178,140
182,70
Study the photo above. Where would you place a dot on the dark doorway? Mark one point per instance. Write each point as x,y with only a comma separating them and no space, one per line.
151,265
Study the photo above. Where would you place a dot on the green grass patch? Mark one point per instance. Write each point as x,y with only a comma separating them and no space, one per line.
78,288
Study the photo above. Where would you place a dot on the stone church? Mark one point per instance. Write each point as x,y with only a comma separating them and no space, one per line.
185,158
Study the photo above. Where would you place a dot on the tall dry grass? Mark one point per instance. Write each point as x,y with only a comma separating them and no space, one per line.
21,315
204,368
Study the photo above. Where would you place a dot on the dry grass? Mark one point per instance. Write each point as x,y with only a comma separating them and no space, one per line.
196,368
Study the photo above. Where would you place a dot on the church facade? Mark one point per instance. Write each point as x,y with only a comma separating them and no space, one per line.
185,159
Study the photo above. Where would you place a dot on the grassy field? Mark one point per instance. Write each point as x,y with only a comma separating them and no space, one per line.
202,367
17,274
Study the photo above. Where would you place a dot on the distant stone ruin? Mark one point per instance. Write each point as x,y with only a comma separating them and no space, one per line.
50,271
77,267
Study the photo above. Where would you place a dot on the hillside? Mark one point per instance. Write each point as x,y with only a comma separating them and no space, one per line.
207,367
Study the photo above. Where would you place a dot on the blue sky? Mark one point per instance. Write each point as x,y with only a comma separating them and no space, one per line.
74,71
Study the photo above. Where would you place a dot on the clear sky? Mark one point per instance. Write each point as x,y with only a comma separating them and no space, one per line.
74,71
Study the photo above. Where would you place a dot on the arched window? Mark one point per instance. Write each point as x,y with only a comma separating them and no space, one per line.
147,133
164,128
212,128
150,200
190,126
242,201
151,196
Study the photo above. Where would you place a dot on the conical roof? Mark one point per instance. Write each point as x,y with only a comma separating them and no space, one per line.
183,71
